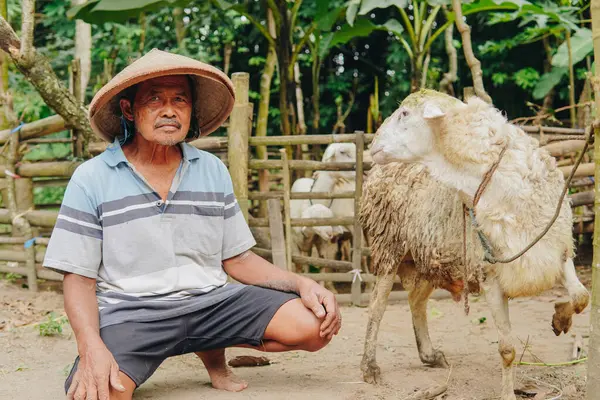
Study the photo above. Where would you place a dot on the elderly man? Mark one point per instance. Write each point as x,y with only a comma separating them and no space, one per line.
148,233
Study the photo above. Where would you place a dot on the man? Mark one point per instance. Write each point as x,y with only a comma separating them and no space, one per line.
148,233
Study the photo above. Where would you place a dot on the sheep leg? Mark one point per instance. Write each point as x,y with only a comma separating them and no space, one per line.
417,299
498,304
563,312
379,299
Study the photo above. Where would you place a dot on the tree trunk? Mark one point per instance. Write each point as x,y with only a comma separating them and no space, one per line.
40,74
593,370
83,49
179,26
227,50
571,81
299,100
450,76
4,60
549,98
284,55
415,73
474,64
263,110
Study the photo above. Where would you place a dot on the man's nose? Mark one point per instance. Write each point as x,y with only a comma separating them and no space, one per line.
168,110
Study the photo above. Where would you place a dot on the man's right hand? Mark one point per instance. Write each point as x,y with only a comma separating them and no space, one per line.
96,372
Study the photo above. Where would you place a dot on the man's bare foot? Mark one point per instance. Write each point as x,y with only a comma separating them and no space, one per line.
225,379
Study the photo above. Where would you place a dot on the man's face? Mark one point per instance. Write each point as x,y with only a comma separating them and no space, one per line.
162,109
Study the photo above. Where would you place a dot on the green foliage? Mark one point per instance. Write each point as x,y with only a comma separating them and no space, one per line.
9,276
103,11
499,78
548,81
581,46
53,326
526,78
48,195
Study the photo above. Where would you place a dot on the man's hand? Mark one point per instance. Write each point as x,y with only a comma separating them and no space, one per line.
96,373
323,304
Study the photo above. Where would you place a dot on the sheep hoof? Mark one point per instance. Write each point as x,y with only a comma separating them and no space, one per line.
561,320
372,373
438,360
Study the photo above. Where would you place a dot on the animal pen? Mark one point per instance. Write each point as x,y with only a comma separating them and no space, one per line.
23,245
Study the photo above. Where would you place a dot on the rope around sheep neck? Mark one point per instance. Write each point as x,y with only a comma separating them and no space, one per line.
489,256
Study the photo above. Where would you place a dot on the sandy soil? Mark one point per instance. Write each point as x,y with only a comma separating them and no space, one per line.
34,366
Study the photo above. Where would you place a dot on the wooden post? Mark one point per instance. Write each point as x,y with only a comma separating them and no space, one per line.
287,187
80,142
19,223
593,369
357,234
276,230
238,134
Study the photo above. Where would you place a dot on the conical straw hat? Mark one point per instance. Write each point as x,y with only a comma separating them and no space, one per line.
214,93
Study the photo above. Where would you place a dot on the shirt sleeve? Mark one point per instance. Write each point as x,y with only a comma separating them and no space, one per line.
76,241
237,236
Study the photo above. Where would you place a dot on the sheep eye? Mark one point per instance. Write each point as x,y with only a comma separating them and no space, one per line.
403,113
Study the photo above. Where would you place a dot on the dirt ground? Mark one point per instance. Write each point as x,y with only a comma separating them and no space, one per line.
34,366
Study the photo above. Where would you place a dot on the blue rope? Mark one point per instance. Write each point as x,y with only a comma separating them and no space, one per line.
18,128
29,243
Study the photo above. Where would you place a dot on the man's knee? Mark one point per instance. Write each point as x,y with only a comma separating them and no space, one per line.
310,335
296,326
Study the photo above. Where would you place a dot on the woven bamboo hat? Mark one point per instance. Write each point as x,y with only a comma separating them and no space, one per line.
214,93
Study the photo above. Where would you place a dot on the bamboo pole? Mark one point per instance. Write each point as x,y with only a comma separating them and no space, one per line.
306,139
238,135
553,129
80,139
37,129
342,277
304,260
593,370
44,169
586,169
41,218
562,148
50,183
276,231
356,288
20,224
301,195
287,188
41,272
308,165
582,198
262,222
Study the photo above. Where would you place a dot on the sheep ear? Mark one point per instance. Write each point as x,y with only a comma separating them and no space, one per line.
432,111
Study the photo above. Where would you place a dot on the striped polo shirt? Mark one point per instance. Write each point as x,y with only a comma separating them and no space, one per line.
151,259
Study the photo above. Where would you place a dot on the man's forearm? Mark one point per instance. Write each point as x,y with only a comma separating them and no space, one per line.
251,269
81,307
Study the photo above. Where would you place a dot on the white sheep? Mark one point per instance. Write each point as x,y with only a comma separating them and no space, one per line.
322,238
438,149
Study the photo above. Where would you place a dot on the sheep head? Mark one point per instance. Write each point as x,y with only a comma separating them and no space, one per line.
429,125
340,152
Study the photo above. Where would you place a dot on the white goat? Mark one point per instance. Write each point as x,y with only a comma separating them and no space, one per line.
457,144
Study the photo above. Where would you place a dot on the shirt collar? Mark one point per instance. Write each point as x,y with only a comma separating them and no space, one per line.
113,155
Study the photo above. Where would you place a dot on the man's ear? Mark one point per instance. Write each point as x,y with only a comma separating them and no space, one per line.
126,109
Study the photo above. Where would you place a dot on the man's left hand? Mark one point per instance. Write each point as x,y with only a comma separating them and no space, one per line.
322,302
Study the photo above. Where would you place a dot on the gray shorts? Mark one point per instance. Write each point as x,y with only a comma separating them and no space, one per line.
140,347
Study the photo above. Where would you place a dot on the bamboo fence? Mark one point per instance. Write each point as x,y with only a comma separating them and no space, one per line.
23,245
